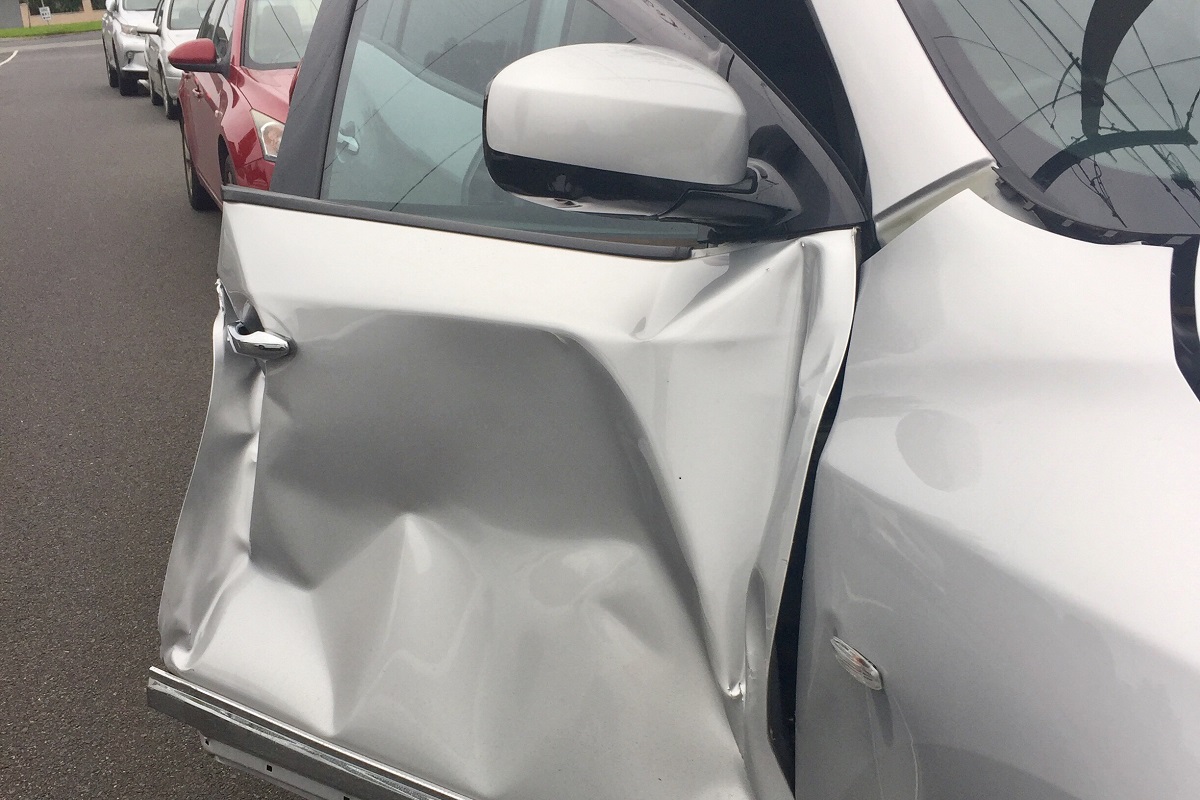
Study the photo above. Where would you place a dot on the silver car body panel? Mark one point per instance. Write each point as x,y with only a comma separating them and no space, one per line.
136,62
159,47
1005,523
250,741
513,519
129,49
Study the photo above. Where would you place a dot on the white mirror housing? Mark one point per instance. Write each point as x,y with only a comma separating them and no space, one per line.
626,130
620,108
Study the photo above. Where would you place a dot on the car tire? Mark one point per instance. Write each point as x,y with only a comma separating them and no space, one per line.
156,99
127,84
198,196
228,173
170,105
113,75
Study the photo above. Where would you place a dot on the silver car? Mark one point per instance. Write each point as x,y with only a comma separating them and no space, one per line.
637,399
175,22
124,29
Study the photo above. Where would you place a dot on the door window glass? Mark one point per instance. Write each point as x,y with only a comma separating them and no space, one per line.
782,39
464,41
277,31
223,30
209,22
185,15
409,123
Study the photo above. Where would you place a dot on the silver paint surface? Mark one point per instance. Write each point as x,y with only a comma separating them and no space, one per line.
1005,523
512,519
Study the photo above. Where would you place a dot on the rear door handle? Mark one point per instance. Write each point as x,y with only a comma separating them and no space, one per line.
258,344
263,345
347,139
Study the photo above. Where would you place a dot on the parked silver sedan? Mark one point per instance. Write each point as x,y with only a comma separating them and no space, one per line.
123,34
176,22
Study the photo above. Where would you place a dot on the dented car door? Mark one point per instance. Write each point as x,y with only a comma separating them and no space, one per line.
494,500
503,490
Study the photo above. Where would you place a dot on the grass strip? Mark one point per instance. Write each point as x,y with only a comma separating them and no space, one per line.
49,30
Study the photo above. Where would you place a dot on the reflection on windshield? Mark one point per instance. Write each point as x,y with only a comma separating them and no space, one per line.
1090,104
278,31
186,14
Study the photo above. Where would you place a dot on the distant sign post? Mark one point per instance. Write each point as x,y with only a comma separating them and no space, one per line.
45,12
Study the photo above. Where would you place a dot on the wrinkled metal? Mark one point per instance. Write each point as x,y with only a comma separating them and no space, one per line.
513,519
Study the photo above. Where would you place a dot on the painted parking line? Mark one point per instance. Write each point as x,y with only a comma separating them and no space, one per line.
10,58
54,46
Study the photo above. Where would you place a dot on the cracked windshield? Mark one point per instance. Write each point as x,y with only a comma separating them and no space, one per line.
1088,105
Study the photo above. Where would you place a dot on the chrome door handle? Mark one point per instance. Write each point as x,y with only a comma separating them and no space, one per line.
263,345
347,140
349,143
196,92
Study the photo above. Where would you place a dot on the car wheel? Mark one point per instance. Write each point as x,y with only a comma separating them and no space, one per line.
170,105
127,84
156,99
113,75
228,173
198,197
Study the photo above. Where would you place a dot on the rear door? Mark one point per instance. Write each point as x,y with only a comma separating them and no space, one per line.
511,510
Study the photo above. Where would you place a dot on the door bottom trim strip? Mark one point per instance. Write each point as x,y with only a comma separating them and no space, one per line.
281,748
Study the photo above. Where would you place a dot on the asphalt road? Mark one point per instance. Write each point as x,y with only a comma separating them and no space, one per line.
106,306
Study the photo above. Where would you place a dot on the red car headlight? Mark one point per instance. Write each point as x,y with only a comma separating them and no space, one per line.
270,134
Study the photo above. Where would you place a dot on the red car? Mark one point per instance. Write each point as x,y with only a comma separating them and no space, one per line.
234,93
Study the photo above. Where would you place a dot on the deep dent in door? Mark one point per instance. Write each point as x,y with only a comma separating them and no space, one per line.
513,519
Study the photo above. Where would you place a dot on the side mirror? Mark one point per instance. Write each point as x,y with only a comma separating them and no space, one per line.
146,30
198,55
626,130
110,6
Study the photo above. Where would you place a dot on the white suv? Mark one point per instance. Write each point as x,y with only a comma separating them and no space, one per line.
123,34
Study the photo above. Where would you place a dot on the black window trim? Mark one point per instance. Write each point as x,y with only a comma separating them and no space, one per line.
861,191
332,208
219,6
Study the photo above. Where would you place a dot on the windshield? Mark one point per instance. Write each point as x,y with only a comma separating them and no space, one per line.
277,31
1088,105
140,5
186,14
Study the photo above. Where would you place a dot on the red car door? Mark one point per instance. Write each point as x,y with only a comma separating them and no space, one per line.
206,96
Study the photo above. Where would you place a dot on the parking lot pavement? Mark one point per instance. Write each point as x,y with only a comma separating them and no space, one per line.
106,306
